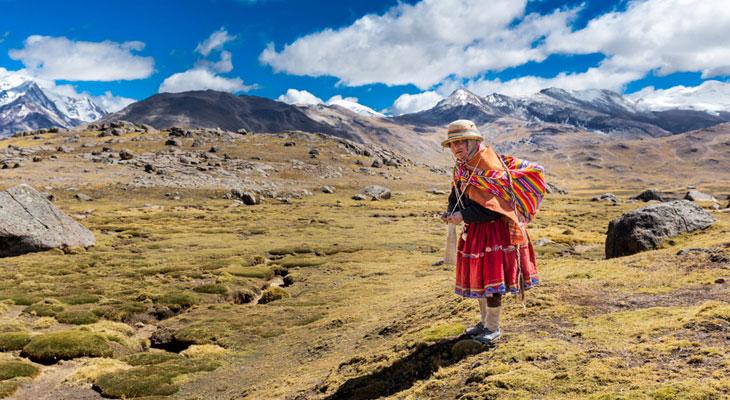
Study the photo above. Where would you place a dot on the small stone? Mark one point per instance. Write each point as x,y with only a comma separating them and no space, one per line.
327,189
720,280
82,197
359,197
376,163
289,144
173,142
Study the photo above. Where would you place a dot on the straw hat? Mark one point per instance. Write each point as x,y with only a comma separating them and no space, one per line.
462,129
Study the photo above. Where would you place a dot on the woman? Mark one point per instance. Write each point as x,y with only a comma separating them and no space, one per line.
494,253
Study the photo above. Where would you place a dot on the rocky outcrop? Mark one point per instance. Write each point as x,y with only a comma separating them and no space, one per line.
646,228
29,222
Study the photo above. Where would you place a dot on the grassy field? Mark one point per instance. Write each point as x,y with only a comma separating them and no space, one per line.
328,297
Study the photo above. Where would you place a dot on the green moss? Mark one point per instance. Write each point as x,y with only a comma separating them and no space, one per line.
11,326
149,380
260,272
65,345
442,331
179,298
77,317
273,294
10,341
119,312
282,251
204,332
13,369
301,262
151,358
45,308
83,298
213,288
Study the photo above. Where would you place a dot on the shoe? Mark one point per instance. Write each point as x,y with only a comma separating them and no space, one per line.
475,330
487,336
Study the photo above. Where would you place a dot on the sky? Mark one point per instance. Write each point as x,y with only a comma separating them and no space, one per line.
392,56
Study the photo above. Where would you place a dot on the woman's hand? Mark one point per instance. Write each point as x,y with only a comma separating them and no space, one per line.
455,218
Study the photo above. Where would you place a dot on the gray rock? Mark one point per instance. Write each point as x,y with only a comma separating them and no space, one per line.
376,163
553,188
173,142
436,191
327,189
83,197
610,197
29,222
242,131
126,155
648,195
247,197
64,149
696,195
359,197
376,192
646,228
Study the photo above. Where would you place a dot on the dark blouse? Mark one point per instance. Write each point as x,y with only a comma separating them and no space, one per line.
471,211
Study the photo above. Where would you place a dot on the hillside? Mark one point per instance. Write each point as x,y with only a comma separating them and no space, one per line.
357,305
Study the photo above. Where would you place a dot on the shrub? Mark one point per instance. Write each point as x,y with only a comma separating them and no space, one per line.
10,341
77,317
273,294
150,380
45,308
151,358
214,288
13,369
65,345
181,299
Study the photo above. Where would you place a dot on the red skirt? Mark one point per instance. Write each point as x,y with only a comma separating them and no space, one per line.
486,262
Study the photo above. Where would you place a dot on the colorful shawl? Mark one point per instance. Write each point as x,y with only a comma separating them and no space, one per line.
528,184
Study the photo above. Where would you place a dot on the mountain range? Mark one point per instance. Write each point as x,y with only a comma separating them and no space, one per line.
26,106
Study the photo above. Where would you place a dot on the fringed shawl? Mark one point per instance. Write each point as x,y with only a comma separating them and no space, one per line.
490,187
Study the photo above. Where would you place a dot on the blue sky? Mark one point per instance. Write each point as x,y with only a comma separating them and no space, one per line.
389,55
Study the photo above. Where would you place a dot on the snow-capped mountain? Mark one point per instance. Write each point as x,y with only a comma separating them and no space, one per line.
24,105
599,110
710,96
355,107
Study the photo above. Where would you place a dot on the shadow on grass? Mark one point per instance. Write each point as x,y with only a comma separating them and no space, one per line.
402,374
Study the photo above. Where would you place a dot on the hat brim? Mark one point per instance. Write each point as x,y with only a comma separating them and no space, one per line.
446,142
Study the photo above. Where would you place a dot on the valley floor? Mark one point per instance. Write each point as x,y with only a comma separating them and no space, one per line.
364,310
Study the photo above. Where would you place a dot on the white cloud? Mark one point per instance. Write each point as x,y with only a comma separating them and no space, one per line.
337,98
410,103
214,42
201,79
665,36
710,96
225,64
299,97
204,75
4,36
60,58
422,44
112,103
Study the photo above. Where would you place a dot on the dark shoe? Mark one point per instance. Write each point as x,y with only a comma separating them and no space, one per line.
487,336
475,330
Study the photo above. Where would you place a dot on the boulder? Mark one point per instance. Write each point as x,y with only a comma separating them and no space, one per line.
651,194
29,222
126,155
646,228
248,198
696,195
376,192
610,197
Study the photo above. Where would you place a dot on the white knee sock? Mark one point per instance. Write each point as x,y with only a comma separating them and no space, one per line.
483,311
492,318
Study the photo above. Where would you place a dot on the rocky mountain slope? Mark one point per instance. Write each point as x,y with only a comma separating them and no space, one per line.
26,106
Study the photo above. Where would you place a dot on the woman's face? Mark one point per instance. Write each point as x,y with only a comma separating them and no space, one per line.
459,148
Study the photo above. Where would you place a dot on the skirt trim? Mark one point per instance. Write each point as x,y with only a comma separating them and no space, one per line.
497,288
